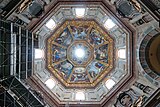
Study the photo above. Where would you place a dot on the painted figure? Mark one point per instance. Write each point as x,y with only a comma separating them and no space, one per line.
58,53
95,37
64,68
79,75
102,53
65,38
79,32
95,68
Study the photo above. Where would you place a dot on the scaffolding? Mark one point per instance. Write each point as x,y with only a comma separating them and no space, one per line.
16,65
16,51
15,94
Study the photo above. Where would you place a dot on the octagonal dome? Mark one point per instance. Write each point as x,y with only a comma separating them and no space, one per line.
97,20
80,53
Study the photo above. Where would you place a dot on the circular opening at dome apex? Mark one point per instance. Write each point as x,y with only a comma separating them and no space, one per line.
79,52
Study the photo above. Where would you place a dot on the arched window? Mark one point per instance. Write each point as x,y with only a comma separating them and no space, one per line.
109,83
109,24
80,95
80,12
51,24
122,53
50,83
38,53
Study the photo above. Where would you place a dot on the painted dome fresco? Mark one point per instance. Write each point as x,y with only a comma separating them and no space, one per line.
80,53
